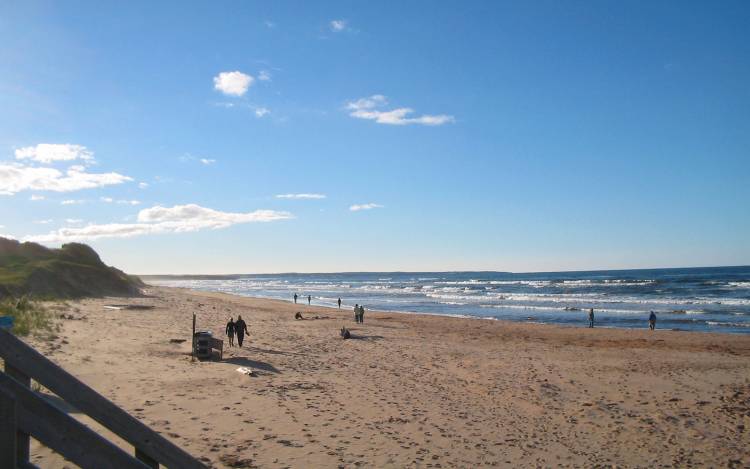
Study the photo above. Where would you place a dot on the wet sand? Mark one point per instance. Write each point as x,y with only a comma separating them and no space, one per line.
410,390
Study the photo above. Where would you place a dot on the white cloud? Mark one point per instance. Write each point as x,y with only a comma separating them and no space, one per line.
71,202
51,152
367,108
233,83
43,222
261,111
207,161
7,236
264,75
142,185
108,200
73,221
17,177
158,219
357,208
338,25
301,196
129,202
35,197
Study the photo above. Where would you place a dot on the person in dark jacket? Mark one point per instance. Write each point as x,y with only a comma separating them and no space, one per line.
591,317
230,332
652,321
241,329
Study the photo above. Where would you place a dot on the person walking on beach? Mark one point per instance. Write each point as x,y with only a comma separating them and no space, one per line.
591,317
356,313
652,321
295,298
309,299
241,329
339,303
362,314
230,332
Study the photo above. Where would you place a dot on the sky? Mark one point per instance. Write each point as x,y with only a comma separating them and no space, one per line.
253,137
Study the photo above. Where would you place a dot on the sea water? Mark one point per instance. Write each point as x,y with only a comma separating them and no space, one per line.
695,299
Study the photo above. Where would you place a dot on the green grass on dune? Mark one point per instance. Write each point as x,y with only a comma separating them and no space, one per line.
28,316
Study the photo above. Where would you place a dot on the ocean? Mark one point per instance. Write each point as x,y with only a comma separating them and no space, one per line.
713,299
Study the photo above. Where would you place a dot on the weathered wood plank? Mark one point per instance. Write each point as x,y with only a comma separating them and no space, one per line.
62,433
66,386
23,442
145,459
7,430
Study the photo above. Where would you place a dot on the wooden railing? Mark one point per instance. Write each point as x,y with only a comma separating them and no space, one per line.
25,413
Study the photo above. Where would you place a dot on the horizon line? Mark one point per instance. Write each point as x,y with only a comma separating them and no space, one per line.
446,271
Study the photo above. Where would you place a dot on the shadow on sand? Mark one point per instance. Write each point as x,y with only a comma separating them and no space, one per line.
254,364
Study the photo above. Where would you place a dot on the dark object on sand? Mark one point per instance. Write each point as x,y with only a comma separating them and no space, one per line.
298,315
128,307
345,333
177,341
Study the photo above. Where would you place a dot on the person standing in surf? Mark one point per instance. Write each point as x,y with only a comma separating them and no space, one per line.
652,321
339,303
591,318
309,299
295,298
241,329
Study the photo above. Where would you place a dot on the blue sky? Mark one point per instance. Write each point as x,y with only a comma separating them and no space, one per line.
519,136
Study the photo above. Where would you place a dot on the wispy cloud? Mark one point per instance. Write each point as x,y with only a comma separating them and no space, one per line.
233,83
142,185
158,219
73,221
370,109
18,177
300,196
110,200
52,152
72,202
269,24
35,197
264,75
43,222
261,111
207,161
338,26
359,207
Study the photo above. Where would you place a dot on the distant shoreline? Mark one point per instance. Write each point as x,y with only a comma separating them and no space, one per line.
532,322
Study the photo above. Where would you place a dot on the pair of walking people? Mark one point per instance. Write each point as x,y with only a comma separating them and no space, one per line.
236,327
359,314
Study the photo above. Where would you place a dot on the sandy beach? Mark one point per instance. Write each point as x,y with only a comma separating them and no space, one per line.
409,390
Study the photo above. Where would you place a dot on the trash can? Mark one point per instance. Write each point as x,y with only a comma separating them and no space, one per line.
202,344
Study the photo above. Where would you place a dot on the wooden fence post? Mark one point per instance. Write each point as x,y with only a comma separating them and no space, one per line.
22,439
8,430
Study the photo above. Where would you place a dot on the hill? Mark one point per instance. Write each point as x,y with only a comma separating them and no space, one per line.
73,271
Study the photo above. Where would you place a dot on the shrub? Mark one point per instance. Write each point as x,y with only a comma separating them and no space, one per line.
29,316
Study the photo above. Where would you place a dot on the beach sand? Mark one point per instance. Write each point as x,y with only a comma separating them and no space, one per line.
410,390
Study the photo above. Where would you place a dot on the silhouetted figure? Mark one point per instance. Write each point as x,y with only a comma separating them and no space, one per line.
230,332
591,317
339,303
356,313
241,329
362,314
652,321
345,333
295,298
309,299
